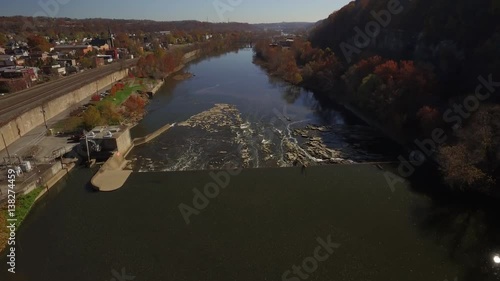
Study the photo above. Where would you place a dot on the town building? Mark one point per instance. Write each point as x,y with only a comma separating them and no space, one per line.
29,73
56,69
101,44
7,60
73,49
107,139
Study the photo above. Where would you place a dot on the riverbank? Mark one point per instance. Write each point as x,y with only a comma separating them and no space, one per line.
343,101
26,199
115,171
406,100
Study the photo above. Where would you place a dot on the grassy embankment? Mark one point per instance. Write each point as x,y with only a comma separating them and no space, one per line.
75,122
24,204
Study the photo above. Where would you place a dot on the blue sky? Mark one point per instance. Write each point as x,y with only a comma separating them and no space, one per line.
253,11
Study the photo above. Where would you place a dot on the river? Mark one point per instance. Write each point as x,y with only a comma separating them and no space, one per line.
267,222
264,122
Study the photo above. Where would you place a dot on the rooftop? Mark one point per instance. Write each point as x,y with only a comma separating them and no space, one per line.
16,68
72,46
106,132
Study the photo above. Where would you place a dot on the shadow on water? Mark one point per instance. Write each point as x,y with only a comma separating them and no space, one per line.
469,232
464,223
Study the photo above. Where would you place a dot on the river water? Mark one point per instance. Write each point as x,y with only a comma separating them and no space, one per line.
266,113
264,223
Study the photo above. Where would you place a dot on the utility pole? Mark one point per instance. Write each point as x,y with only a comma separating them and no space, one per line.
6,149
44,118
88,151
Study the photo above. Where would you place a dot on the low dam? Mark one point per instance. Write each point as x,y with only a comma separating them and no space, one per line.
113,175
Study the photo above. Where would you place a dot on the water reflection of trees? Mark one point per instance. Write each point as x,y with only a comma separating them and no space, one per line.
291,94
470,233
274,81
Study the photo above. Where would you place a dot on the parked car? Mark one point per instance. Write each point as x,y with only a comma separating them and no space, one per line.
77,137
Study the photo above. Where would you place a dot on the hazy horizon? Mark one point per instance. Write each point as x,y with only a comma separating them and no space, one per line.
244,11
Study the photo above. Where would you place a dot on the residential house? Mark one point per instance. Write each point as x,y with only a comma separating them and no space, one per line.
11,72
66,62
7,60
55,69
43,56
20,52
2,50
113,53
54,55
16,78
20,61
12,45
287,43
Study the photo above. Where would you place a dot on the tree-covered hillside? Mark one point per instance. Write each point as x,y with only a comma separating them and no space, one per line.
428,70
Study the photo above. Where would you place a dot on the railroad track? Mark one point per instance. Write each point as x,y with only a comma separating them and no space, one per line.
15,104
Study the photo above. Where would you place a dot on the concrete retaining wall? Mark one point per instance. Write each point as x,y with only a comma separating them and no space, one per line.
191,56
58,174
124,142
48,179
158,86
27,121
150,137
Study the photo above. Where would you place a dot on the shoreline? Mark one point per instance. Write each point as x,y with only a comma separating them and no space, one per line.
113,173
42,189
407,144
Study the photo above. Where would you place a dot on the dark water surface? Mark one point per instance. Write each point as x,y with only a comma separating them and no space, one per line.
266,220
259,226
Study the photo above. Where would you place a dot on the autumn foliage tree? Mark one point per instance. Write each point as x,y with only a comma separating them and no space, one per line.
430,118
280,61
474,160
395,91
109,113
39,43
92,118
122,40
135,104
3,39
95,97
